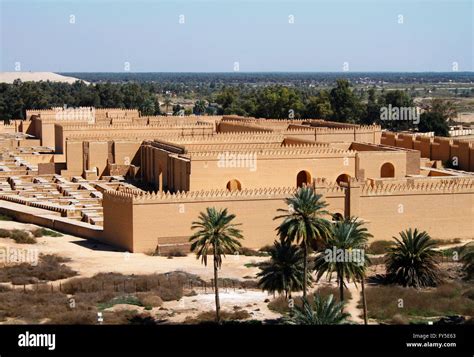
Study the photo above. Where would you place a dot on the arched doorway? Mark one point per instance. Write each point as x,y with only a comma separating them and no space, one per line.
234,185
303,178
387,170
343,178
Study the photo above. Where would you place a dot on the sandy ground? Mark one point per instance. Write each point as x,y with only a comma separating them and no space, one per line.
9,77
89,258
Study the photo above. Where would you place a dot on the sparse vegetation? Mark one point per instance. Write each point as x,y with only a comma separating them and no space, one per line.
281,304
467,258
380,247
4,217
167,287
209,316
176,253
50,267
252,252
22,237
386,303
41,232
121,299
18,235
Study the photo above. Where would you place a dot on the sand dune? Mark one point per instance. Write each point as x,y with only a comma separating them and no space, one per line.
9,77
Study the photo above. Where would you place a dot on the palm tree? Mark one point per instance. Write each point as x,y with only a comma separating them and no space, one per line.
467,257
413,261
215,235
324,311
284,272
345,254
304,223
167,102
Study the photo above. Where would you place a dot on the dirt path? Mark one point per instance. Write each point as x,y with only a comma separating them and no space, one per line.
89,258
351,306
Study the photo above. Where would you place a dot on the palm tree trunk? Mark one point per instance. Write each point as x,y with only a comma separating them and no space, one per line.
364,301
216,290
341,291
305,273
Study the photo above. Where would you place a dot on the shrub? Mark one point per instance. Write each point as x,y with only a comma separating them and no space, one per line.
252,252
122,299
282,305
447,299
168,286
379,247
41,232
266,248
4,217
176,253
35,306
4,233
210,316
440,242
398,319
150,299
74,317
325,291
49,268
142,319
22,237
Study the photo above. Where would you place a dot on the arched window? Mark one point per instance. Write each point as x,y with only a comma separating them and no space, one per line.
303,178
343,178
387,170
234,185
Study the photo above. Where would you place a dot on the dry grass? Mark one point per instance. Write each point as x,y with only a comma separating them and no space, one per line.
282,305
42,232
441,242
49,268
168,287
380,246
176,253
35,306
252,252
210,316
18,235
448,299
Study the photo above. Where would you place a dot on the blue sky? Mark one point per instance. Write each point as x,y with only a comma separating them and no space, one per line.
256,34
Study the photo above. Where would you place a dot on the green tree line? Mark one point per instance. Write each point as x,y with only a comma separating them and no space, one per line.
341,103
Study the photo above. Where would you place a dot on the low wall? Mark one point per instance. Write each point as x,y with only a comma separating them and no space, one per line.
50,219
141,223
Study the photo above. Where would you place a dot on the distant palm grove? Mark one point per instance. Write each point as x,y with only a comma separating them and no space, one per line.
342,102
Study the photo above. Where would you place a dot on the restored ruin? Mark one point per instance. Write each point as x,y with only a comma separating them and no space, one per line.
138,182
